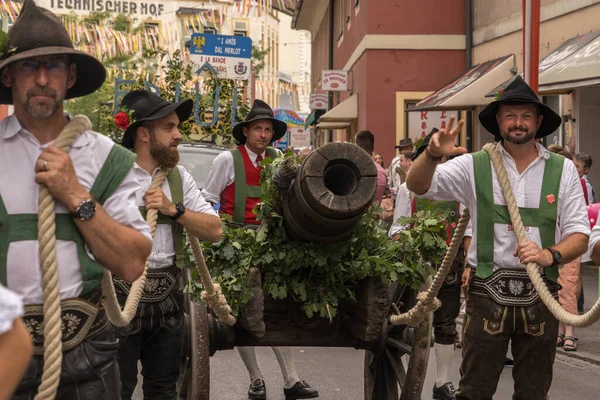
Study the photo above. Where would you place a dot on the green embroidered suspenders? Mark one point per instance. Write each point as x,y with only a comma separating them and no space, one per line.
489,213
176,187
22,227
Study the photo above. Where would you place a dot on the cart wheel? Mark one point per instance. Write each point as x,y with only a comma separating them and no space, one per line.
385,369
198,382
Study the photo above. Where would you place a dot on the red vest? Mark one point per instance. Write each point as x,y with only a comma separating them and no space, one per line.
252,179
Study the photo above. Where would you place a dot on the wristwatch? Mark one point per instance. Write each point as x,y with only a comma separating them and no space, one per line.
180,210
556,257
85,210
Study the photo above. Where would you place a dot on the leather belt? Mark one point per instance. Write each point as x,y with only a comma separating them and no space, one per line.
159,283
81,319
509,288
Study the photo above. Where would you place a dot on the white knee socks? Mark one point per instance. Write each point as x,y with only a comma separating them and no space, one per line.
443,359
248,355
288,367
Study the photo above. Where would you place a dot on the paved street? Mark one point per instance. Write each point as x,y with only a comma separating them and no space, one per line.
338,375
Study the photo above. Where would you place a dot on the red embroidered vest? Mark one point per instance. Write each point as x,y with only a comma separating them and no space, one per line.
240,198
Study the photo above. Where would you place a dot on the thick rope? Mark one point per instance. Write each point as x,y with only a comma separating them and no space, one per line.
532,269
427,301
212,293
123,317
49,270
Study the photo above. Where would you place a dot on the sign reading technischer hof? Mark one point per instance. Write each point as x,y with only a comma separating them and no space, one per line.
85,7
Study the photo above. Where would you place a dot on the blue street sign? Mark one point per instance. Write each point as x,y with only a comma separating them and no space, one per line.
221,45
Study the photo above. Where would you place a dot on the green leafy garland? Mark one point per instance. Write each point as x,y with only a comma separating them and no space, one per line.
320,275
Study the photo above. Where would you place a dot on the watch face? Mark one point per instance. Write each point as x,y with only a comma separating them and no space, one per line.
180,207
86,210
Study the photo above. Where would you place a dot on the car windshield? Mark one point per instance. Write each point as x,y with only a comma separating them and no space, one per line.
198,160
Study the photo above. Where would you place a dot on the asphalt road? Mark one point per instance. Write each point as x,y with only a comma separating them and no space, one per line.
338,375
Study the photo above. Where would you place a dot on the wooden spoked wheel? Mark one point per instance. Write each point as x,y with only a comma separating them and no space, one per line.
195,383
396,367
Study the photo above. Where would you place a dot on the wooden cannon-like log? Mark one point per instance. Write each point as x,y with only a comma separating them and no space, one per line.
331,191
333,188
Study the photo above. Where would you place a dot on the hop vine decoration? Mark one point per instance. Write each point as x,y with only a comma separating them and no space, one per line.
319,276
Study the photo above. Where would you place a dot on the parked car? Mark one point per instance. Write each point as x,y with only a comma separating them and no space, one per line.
198,158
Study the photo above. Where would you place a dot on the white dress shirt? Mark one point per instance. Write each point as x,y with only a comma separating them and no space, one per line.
222,174
403,208
19,150
455,180
11,308
163,248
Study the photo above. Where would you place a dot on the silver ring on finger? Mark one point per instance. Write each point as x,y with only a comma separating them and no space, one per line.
45,166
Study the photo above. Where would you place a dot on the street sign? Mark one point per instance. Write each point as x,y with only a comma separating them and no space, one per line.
318,101
334,80
282,143
299,137
228,55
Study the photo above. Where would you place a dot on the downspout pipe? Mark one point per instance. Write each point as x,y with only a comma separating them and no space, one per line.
331,42
469,64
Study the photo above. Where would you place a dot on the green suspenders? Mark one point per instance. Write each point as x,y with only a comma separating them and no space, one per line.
242,190
543,217
176,187
21,227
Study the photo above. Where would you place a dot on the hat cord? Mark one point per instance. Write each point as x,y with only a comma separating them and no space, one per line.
49,271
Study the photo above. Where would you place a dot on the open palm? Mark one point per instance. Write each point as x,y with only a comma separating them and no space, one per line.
442,142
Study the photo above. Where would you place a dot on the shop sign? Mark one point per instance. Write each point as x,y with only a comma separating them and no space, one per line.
299,137
318,101
420,123
334,80
85,7
229,56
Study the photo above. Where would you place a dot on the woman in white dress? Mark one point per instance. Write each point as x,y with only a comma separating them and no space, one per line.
15,344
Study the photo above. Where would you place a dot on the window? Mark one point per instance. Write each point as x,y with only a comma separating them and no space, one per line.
240,28
209,29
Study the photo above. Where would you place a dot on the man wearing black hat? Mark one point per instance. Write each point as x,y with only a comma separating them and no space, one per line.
502,306
97,222
234,181
394,178
155,335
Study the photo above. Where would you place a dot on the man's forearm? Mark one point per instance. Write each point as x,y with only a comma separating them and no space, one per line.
572,247
119,248
419,178
202,225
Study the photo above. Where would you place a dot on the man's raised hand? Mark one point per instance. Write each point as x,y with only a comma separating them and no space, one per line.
442,142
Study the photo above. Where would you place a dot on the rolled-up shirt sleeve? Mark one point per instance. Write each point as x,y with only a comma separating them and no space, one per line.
452,180
221,175
573,212
192,197
121,205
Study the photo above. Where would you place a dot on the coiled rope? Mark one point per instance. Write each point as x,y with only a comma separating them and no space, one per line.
49,272
532,269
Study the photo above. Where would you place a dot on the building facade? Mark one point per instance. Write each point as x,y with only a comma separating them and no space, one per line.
396,53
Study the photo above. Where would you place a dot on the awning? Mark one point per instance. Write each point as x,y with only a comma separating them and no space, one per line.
561,53
346,111
469,89
332,125
312,117
575,63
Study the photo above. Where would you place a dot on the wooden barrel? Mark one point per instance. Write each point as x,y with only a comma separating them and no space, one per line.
334,186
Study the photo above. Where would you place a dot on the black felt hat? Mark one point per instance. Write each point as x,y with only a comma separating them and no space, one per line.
260,110
425,143
39,32
404,143
147,106
518,93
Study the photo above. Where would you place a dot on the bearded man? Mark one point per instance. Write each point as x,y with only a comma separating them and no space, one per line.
155,335
502,305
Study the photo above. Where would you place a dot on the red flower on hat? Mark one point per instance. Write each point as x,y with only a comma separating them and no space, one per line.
122,120
499,93
550,199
